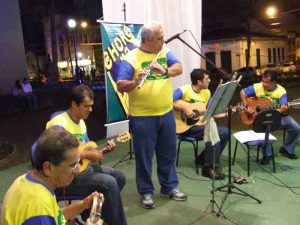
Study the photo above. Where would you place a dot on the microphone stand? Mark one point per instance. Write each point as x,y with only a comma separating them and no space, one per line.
205,58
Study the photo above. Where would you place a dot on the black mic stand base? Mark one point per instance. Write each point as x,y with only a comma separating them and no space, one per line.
128,156
229,190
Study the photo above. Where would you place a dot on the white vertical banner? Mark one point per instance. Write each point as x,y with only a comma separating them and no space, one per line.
175,15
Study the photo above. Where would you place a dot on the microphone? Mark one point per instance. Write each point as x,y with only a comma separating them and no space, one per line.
234,76
174,37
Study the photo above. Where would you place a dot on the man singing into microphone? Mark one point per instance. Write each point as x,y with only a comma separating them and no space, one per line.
151,118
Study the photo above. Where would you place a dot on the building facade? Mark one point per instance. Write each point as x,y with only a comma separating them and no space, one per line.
230,53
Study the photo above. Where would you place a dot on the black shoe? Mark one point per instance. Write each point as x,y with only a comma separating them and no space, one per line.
210,173
265,160
219,171
285,153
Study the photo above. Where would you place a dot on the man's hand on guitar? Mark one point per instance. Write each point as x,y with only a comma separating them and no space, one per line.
249,110
189,112
110,145
283,108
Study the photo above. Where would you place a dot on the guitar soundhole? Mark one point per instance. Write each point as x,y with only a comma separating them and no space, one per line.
196,114
191,121
258,108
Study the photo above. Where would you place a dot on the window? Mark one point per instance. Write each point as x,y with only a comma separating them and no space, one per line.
212,57
258,57
274,55
269,55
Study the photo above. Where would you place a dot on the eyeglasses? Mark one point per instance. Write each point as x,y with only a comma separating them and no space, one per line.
73,167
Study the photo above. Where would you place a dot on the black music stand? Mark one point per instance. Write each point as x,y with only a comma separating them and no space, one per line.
219,105
267,121
230,186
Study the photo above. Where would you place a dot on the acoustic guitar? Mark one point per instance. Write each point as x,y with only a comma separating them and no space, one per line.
83,163
258,104
183,123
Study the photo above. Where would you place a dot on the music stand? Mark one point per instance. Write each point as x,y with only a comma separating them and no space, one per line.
218,105
267,121
230,186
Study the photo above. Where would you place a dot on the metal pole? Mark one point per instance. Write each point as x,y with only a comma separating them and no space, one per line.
124,10
69,52
78,80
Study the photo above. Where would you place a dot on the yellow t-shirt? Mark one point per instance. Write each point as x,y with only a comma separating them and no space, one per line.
189,95
154,98
77,129
28,202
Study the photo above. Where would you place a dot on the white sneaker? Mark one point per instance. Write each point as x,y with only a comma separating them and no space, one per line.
175,194
147,201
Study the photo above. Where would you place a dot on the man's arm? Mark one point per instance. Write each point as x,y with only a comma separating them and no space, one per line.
129,85
97,155
181,105
175,70
243,97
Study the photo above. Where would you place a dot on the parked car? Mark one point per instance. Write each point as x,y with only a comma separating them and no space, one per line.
288,67
272,66
253,72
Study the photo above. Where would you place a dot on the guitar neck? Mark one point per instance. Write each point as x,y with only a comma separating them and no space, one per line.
290,105
104,147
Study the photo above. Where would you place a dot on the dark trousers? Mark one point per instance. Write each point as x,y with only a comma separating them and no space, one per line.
154,134
198,132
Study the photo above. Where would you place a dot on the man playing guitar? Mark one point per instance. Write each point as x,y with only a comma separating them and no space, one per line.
269,89
103,179
196,93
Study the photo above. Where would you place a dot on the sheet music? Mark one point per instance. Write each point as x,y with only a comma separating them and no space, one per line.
250,135
221,99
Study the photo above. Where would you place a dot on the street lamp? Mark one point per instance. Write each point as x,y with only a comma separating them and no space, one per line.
72,25
271,11
83,24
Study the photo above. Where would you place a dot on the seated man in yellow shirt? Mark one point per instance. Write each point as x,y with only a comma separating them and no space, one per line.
30,200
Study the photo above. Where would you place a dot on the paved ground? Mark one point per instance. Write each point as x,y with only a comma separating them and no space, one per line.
22,128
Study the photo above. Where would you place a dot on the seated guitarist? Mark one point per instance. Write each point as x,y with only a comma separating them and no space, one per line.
268,88
198,92
96,177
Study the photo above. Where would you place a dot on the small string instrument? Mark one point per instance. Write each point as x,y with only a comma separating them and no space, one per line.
83,164
95,212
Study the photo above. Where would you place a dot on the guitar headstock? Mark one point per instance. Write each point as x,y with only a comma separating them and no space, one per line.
124,137
239,107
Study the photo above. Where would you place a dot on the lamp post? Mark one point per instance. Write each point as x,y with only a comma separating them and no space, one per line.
72,24
271,11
